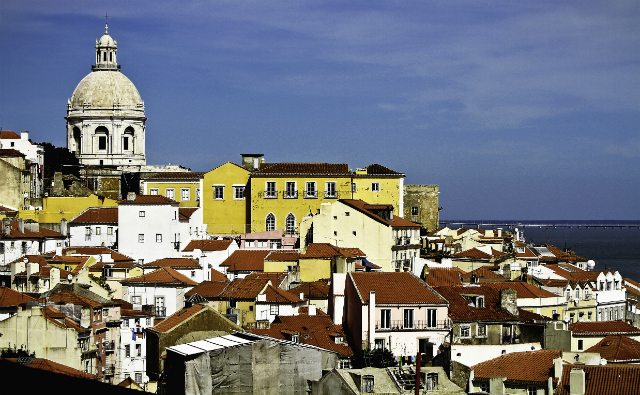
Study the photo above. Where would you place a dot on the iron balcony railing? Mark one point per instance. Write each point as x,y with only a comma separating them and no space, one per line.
416,325
109,346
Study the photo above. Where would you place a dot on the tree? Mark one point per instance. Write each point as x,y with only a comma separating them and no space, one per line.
59,159
376,358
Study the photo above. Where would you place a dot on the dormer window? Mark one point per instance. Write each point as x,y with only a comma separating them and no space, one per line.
295,338
338,339
367,384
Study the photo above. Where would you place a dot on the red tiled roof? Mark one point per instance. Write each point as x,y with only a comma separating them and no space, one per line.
181,263
186,212
45,272
246,260
27,234
149,199
178,317
444,276
396,223
316,330
97,215
50,366
5,209
352,252
80,261
603,328
519,367
475,253
376,169
208,245
162,276
459,309
320,250
65,297
208,289
617,348
524,290
313,290
609,379
279,296
276,277
9,297
129,383
484,272
217,276
10,152
388,285
9,134
128,312
246,288
302,168
115,255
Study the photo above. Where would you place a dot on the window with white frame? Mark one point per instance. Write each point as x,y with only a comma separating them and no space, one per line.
330,189
136,299
218,192
141,214
185,194
238,192
249,243
154,191
138,350
379,344
170,193
127,350
465,331
270,222
408,319
484,387
385,319
375,187
290,191
290,224
481,330
532,391
141,238
273,309
310,190
197,194
158,238
432,318
414,210
354,187
270,190
138,377
110,230
98,230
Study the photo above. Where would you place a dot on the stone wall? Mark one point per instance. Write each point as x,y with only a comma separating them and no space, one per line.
421,205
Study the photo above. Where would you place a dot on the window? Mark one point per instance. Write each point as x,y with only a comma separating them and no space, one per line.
580,345
432,318
141,238
344,364
193,273
270,190
290,191
367,384
330,189
385,319
138,350
110,230
432,381
408,318
102,143
414,211
354,233
125,323
154,191
127,350
275,244
137,321
273,309
148,321
139,378
141,214
140,261
379,344
290,224
484,387
125,143
577,293
586,293
465,331
249,243
375,187
136,299
98,230
354,187
105,312
270,222
238,192
197,194
310,190
107,271
158,238
170,193
218,192
482,330
87,234
185,194
568,294
532,391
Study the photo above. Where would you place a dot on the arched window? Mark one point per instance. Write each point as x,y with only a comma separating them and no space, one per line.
77,138
270,222
290,224
102,134
127,139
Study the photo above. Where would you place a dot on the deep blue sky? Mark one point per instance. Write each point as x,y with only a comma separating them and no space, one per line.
518,110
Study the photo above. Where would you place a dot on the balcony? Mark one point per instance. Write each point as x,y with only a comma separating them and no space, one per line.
310,194
161,312
418,325
176,245
402,264
290,194
109,346
110,370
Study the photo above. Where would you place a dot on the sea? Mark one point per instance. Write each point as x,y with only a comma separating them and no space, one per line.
612,245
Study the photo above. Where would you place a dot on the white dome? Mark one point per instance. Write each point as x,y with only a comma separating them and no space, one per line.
106,41
104,88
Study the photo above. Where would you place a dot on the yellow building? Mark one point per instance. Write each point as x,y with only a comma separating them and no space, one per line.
183,187
55,209
321,260
282,194
224,208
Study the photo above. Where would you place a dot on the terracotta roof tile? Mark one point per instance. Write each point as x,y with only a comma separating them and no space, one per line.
245,289
603,328
208,289
609,379
519,367
279,296
276,277
124,312
50,366
217,276
313,290
376,169
115,255
164,276
524,290
246,260
302,168
617,348
176,263
97,215
65,297
444,276
459,309
9,134
475,253
484,272
149,199
186,212
178,317
42,233
387,286
9,297
208,245
320,250
10,152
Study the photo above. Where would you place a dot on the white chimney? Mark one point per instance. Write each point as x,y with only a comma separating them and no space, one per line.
20,225
312,310
372,319
576,382
24,135
301,296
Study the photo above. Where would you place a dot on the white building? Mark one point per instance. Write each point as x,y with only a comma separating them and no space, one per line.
32,152
105,114
133,345
94,227
19,238
148,227
210,253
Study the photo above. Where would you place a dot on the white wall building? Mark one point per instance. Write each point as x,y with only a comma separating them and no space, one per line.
94,227
133,345
32,152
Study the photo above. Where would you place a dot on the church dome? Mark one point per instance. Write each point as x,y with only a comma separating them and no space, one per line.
106,90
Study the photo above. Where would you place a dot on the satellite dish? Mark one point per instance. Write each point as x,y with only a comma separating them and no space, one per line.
25,260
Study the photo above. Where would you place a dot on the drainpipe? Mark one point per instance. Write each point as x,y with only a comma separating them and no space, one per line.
418,363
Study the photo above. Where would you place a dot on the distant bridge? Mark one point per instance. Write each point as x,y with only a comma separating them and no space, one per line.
480,225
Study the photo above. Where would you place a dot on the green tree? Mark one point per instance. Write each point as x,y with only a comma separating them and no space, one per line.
376,358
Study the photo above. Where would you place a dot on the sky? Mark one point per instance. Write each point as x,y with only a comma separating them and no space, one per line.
516,109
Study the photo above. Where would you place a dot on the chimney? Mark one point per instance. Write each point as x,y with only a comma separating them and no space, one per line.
6,226
312,310
496,385
131,196
372,319
576,382
24,135
63,227
301,295
59,249
262,297
32,267
508,301
557,368
20,225
499,232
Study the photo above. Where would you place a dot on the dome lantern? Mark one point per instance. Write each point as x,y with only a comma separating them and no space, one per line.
106,50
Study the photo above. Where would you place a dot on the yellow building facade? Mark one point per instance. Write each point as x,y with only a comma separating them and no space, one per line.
282,194
224,205
182,187
55,209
